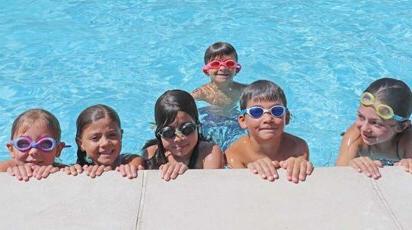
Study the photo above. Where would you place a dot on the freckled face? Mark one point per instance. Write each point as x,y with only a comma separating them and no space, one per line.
102,141
35,130
373,129
267,126
222,74
180,145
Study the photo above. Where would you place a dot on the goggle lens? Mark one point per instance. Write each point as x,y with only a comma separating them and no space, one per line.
186,129
384,112
23,144
278,111
214,64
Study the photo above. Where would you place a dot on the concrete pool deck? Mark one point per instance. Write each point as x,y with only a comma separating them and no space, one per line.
332,198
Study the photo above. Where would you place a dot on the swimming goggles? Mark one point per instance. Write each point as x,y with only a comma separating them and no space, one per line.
24,143
185,129
257,112
216,64
383,111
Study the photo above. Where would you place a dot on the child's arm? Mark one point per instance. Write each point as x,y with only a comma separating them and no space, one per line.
214,156
349,146
198,94
298,166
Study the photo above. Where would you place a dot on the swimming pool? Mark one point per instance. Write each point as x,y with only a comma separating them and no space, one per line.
65,56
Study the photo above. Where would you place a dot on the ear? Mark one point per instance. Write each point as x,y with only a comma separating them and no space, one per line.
79,143
205,70
10,148
287,117
242,121
238,68
403,126
59,149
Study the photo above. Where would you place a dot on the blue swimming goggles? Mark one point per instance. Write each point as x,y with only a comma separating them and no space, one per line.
257,111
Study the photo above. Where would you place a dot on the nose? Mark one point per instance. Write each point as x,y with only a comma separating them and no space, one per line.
33,151
179,137
104,141
267,116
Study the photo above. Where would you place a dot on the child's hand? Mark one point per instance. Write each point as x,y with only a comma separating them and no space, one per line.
24,172
297,168
21,172
96,170
171,170
366,165
406,163
73,170
265,167
129,170
42,172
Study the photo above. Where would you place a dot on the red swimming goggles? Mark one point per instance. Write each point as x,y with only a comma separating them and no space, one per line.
216,64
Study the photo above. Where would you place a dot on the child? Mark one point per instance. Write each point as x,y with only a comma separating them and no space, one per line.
267,147
99,142
179,144
221,66
222,93
35,143
381,134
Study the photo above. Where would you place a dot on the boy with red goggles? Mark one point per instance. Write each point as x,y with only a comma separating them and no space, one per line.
221,66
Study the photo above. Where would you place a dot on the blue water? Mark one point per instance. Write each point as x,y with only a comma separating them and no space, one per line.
67,55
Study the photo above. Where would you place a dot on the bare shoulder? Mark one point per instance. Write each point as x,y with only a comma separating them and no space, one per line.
150,151
237,153
295,143
350,146
201,92
239,85
211,155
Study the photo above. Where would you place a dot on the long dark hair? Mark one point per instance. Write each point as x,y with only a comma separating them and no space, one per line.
166,108
86,117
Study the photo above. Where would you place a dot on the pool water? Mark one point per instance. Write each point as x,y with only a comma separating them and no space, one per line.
67,55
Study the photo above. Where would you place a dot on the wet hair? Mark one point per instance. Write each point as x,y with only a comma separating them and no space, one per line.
166,108
88,116
262,90
219,49
394,93
33,115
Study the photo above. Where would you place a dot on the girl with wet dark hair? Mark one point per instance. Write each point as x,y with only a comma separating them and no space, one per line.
382,134
99,142
178,144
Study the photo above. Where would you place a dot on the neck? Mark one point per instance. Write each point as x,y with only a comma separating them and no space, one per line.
269,148
385,147
223,86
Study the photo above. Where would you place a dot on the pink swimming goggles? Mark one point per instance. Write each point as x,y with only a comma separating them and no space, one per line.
216,64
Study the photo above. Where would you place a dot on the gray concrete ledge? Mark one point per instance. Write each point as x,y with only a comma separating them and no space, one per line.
332,198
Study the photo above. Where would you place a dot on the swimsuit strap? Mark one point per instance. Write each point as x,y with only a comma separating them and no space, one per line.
193,158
